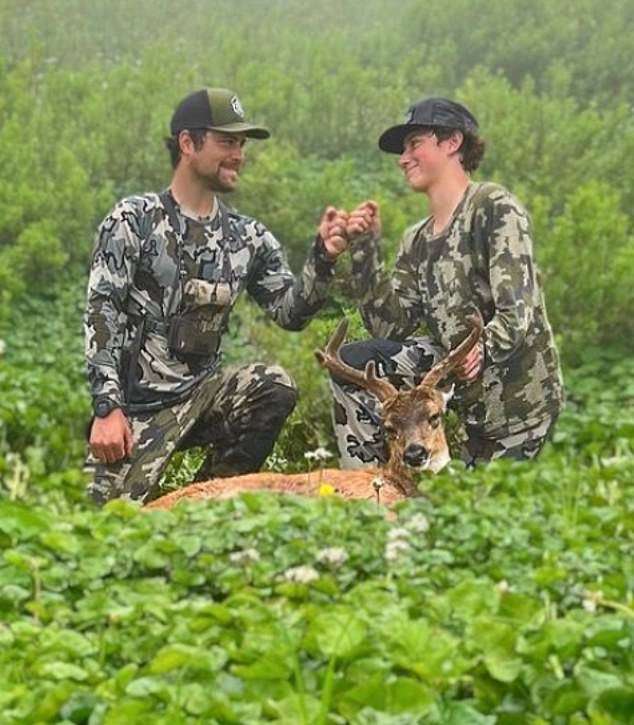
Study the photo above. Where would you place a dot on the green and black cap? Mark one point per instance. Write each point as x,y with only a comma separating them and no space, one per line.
217,109
436,111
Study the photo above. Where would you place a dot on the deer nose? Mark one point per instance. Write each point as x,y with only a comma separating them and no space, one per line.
415,455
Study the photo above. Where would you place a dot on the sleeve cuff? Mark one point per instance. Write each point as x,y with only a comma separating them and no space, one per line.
324,264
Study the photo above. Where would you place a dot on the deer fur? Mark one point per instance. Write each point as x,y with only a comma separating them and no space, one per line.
413,424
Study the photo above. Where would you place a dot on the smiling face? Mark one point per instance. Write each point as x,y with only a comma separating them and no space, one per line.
217,161
425,159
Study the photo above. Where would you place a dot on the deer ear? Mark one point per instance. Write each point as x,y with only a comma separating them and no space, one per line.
447,395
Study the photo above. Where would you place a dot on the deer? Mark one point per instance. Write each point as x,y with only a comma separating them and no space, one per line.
413,423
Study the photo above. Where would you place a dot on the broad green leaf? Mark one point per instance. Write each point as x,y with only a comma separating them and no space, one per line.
296,709
617,703
594,682
338,632
20,521
189,543
460,713
7,637
520,608
430,652
496,641
174,656
394,695
405,695
135,710
144,686
79,707
272,666
473,597
566,699
501,666
124,676
60,542
150,557
63,671
68,641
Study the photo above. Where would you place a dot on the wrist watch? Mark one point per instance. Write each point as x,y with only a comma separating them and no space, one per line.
103,407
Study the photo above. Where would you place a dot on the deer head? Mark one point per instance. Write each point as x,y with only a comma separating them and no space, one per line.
412,419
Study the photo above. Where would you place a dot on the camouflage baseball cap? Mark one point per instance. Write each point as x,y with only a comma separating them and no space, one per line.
435,111
217,109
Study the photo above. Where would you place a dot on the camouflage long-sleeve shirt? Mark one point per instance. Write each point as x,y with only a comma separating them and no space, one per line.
482,260
133,274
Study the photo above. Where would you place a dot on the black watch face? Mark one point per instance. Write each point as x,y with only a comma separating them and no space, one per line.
103,408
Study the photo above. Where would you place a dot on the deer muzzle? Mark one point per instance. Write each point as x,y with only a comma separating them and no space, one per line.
416,456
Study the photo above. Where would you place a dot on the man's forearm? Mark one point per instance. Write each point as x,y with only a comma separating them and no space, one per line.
291,301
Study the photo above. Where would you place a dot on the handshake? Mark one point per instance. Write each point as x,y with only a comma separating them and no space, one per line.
339,227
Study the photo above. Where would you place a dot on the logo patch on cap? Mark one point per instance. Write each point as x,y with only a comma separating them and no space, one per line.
237,106
409,116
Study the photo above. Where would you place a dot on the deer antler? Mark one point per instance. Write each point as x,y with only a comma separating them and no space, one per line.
442,368
331,360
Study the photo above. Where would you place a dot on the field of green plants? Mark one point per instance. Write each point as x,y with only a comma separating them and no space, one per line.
501,596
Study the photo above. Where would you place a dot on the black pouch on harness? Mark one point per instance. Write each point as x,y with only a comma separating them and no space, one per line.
197,331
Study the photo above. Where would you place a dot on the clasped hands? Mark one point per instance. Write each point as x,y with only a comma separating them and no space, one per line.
339,227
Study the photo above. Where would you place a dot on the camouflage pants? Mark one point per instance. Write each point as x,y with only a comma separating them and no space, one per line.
357,423
236,414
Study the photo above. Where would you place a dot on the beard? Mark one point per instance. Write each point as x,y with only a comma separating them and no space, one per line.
214,181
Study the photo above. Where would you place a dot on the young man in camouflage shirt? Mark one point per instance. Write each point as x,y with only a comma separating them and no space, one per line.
166,272
472,254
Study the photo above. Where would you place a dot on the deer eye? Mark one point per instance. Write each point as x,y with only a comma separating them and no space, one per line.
434,420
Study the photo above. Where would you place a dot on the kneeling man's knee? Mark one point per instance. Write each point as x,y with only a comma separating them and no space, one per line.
283,388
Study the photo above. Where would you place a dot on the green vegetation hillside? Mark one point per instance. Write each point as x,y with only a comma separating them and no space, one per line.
504,595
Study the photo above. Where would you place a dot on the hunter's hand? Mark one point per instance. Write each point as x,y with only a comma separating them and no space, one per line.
332,230
111,437
365,219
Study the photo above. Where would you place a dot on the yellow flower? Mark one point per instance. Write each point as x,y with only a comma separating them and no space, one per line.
326,489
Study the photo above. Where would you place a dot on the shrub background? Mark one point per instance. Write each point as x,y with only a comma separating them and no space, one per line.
86,93
512,601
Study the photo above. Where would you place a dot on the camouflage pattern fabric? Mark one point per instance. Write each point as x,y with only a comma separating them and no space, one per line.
133,275
236,414
522,446
138,279
357,420
482,260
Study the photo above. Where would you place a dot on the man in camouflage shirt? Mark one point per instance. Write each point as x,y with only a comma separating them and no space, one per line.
166,272
472,254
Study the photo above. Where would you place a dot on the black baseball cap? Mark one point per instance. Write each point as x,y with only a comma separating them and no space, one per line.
218,109
436,111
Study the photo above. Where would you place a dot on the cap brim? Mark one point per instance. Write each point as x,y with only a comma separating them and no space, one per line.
246,128
393,139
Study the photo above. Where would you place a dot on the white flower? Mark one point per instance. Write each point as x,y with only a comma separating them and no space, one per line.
246,556
397,534
419,524
394,549
502,586
3,346
334,555
319,454
301,574
591,600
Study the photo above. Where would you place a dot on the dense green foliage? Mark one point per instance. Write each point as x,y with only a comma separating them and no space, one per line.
82,122
516,605
504,595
